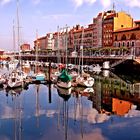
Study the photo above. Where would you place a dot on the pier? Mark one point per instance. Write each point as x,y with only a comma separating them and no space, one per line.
114,61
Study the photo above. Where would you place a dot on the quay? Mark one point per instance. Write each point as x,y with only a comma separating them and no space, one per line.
114,61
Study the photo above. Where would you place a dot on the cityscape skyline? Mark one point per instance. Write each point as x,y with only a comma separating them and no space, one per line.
45,16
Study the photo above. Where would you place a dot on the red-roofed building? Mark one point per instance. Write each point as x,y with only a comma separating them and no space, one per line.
44,44
25,47
83,36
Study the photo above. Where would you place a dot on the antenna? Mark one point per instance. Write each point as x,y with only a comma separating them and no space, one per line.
113,6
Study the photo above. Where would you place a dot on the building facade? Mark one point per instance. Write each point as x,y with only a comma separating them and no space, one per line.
97,31
107,28
25,47
113,21
128,38
104,32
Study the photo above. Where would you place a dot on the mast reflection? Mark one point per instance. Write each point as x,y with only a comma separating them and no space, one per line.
65,94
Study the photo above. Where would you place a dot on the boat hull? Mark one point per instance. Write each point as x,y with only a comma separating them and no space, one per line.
89,82
40,77
65,85
14,84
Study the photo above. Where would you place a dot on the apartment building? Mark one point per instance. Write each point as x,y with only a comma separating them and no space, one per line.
113,21
97,31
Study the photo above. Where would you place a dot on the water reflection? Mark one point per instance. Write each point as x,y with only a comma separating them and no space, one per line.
109,110
65,94
112,91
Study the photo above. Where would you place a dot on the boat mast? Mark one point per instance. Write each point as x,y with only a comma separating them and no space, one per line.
18,31
58,45
36,51
14,43
82,47
66,45
81,52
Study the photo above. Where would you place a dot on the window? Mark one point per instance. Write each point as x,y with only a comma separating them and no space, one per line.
115,37
133,37
127,44
123,37
123,44
119,44
132,44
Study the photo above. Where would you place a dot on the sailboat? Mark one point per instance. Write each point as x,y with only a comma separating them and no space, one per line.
13,63
84,79
16,78
64,79
56,74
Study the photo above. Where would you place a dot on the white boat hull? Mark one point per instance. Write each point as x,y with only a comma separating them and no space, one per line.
15,84
89,82
65,85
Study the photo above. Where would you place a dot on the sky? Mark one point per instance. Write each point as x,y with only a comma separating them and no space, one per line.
44,16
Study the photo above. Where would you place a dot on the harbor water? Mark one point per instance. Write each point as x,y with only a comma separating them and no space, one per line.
108,111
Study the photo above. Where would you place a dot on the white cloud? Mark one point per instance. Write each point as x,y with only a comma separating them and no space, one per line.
133,3
95,117
79,3
106,3
3,2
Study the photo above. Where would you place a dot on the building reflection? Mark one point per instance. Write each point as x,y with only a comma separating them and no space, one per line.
113,95
120,107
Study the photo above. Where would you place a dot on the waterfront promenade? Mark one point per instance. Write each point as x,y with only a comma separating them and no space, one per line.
114,60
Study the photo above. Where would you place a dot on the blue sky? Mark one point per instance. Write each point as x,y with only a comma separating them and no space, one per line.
46,15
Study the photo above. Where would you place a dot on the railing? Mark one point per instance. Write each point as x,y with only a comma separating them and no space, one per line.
116,57
117,63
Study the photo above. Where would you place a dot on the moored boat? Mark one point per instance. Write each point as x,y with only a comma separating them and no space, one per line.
85,80
64,80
